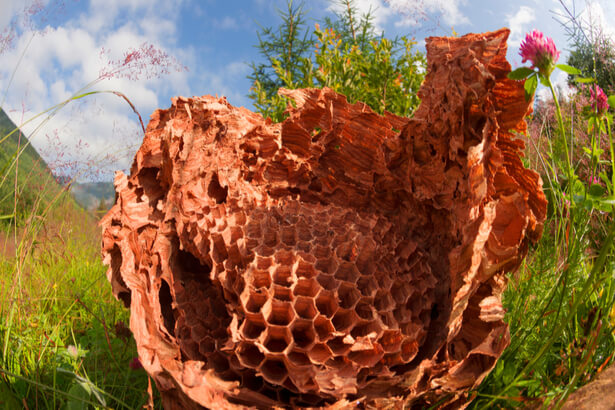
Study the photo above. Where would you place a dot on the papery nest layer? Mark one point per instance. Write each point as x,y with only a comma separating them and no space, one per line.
339,258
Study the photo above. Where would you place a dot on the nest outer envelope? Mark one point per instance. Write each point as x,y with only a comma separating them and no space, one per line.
339,257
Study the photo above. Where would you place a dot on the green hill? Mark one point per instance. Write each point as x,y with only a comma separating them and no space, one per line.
22,171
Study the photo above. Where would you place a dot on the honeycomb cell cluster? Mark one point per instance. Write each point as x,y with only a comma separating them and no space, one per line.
340,258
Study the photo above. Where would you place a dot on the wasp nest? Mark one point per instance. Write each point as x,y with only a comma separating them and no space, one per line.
340,257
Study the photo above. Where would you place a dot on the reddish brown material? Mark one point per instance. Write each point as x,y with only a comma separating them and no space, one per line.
338,257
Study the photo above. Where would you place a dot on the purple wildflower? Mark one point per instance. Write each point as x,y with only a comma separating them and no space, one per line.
598,99
540,51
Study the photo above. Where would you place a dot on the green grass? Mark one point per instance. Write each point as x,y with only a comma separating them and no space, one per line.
64,337
558,306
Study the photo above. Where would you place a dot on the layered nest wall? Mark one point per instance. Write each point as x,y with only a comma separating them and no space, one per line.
339,258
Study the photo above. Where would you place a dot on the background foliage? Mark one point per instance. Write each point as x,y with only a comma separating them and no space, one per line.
345,54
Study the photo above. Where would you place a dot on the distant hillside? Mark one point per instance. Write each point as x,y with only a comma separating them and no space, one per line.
91,194
34,183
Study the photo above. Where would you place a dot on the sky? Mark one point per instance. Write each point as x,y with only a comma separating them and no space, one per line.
51,50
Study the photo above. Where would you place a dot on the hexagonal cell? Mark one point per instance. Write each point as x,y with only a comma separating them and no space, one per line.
191,349
348,295
411,329
306,287
326,265
391,340
298,358
263,263
218,250
234,362
415,304
288,235
278,313
207,345
304,269
303,246
384,281
328,282
277,338
261,278
367,358
273,370
266,250
405,248
324,328
402,314
401,291
364,309
347,251
286,394
365,259
218,362
252,329
238,217
251,243
383,300
249,355
234,257
320,353
251,381
254,300
388,319
338,346
303,333
282,293
198,332
366,328
305,307
326,303
367,285
347,272
344,319
337,363
253,229
304,232
285,257
270,236
283,276
409,348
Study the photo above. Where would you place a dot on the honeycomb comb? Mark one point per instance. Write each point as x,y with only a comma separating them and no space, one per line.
338,257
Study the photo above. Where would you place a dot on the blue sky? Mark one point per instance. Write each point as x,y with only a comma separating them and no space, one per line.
58,51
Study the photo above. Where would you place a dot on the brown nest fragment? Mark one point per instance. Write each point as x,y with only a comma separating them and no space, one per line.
340,258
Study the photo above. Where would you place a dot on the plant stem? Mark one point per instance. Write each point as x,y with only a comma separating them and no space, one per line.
562,129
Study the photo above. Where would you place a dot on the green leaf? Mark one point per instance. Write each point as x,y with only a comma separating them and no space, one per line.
520,73
530,86
568,69
77,391
611,101
596,190
583,80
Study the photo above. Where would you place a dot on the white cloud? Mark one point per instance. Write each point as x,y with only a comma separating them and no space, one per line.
448,9
518,24
405,13
9,8
60,61
594,15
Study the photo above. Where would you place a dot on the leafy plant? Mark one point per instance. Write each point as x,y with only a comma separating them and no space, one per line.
348,56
